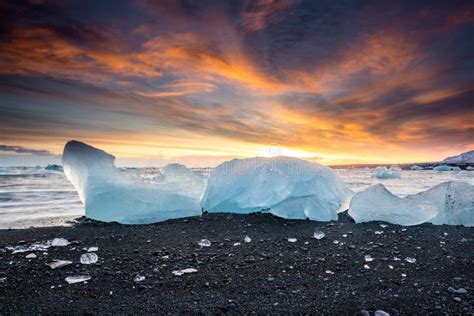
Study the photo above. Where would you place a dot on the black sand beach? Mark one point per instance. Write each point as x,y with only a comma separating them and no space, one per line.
268,275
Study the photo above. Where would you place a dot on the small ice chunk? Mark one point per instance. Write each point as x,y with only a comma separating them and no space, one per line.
237,244
59,264
366,266
416,168
205,243
89,258
292,240
77,279
319,234
383,225
93,249
368,258
247,239
329,272
457,291
384,173
381,313
139,278
336,242
31,256
410,260
390,266
184,271
404,275
446,168
378,232
59,242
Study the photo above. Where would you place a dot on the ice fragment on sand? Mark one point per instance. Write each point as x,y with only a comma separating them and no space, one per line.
59,242
366,266
89,258
286,187
31,256
457,291
139,278
184,271
381,313
109,194
319,234
59,264
368,258
410,260
292,240
77,279
204,243
247,239
93,249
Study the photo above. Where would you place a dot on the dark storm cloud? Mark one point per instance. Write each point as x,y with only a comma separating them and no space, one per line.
23,150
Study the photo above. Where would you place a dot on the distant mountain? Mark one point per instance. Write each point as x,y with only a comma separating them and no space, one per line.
467,157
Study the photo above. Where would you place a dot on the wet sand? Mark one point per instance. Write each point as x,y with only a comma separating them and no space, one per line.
269,274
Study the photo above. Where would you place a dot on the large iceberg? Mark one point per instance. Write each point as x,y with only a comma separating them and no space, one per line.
449,203
286,187
384,173
109,194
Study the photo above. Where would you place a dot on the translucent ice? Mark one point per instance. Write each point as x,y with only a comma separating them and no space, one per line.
446,168
449,203
59,264
286,187
77,279
247,239
59,242
205,243
416,168
89,258
184,271
54,168
319,234
376,203
454,202
384,173
111,195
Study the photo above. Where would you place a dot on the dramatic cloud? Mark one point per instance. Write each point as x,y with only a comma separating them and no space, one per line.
333,79
23,150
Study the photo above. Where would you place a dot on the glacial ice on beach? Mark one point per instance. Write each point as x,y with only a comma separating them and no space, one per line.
54,168
449,203
454,202
416,168
286,187
109,194
446,168
384,173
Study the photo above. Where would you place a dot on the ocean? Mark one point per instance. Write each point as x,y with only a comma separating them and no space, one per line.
33,196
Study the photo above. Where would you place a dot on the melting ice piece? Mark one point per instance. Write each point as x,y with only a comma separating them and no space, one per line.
286,187
368,258
410,260
139,278
292,240
449,203
89,258
416,168
31,256
384,173
59,242
446,168
59,264
205,243
376,203
247,239
454,202
77,279
319,234
93,249
109,194
184,271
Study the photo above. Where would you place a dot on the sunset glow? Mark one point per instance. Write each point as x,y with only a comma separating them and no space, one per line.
346,83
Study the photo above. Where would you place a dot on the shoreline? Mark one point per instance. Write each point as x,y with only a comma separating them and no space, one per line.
270,274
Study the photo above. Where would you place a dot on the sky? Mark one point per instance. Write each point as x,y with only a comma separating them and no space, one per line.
202,81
